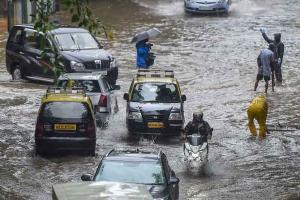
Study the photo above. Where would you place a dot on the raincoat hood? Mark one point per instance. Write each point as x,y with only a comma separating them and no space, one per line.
277,37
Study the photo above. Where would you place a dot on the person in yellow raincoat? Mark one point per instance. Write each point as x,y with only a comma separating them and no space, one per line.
258,109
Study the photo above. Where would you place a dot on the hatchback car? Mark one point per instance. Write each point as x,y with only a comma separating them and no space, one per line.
98,88
139,167
78,51
65,121
207,6
155,104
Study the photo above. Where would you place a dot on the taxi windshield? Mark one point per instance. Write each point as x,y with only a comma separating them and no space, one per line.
155,92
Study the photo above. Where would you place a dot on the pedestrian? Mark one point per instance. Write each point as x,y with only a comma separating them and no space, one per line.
279,51
265,63
258,110
142,54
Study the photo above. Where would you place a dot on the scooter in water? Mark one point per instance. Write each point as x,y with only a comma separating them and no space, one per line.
195,151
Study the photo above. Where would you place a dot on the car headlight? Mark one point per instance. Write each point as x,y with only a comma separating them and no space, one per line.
77,66
136,116
175,116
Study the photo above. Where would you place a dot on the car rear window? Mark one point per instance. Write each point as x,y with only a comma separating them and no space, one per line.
89,85
140,172
65,110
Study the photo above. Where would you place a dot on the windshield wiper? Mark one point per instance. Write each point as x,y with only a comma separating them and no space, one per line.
78,47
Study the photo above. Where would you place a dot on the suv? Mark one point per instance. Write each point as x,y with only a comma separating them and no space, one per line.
97,88
155,104
139,167
65,121
78,51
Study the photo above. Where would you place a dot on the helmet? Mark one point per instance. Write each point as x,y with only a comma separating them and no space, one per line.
198,116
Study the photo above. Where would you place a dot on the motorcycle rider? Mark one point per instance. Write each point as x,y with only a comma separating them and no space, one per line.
198,125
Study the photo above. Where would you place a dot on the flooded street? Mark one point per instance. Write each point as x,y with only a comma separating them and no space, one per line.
214,59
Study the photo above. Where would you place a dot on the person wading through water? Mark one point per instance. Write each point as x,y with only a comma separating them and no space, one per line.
278,52
258,110
265,62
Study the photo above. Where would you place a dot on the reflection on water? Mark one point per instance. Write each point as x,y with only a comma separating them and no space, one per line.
214,60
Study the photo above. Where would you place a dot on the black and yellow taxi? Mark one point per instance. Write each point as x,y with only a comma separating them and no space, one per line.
65,122
155,104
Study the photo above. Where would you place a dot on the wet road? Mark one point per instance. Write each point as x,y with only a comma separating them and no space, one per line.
214,58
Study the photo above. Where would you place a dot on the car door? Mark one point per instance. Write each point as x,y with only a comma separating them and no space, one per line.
33,53
169,173
14,51
111,100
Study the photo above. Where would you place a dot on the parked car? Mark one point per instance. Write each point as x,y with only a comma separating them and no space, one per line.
100,191
207,6
98,88
155,104
65,121
78,51
139,167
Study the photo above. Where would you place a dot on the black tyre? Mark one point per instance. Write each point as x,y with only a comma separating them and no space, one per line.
39,151
92,152
17,73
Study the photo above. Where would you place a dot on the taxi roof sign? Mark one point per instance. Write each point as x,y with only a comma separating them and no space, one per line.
60,90
155,73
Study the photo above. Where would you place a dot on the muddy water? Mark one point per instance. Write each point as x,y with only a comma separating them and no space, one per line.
214,58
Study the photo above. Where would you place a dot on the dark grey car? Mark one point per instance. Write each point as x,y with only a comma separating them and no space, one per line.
139,167
78,50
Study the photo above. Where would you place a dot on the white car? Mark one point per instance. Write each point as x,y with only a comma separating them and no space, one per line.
207,6
97,88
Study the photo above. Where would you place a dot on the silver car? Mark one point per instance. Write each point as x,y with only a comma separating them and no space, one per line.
98,89
207,6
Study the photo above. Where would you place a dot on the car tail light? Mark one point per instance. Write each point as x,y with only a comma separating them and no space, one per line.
91,129
39,129
103,101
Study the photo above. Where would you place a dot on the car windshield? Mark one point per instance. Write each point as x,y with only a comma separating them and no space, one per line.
140,172
89,85
65,110
76,41
155,92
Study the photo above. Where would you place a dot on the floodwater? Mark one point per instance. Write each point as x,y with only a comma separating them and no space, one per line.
214,59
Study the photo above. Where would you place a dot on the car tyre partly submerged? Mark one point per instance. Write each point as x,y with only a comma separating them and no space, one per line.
17,73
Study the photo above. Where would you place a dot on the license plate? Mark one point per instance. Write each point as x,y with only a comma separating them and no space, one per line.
155,125
65,127
204,8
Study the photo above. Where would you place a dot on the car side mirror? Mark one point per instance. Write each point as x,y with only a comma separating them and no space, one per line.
86,177
126,96
116,87
183,97
174,180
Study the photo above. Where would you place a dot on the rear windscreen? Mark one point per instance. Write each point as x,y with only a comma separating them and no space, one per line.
88,85
65,110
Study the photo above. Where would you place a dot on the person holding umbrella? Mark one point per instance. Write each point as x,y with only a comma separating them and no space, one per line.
142,54
144,58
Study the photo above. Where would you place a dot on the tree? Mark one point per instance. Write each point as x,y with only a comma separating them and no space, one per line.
81,14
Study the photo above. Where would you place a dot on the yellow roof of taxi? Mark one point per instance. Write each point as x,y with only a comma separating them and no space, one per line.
65,97
155,79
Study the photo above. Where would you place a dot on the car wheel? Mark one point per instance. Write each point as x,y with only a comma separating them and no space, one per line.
17,73
92,152
39,151
116,107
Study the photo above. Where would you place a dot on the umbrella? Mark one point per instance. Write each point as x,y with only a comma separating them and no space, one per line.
151,33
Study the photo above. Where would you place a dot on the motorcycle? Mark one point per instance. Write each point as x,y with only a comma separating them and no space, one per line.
195,151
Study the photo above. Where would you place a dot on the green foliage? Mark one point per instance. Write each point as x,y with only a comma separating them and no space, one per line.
80,14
